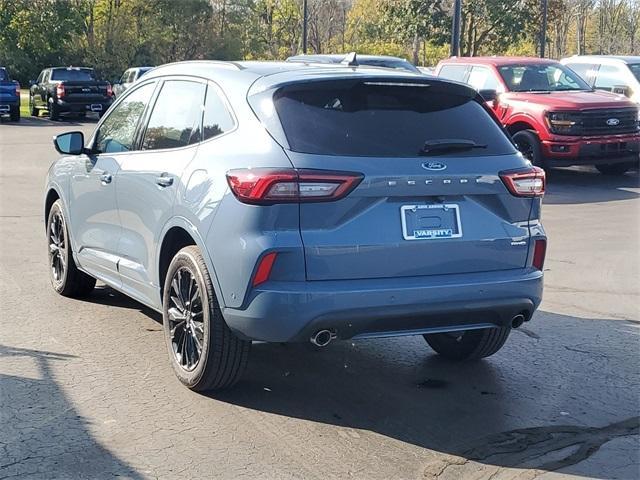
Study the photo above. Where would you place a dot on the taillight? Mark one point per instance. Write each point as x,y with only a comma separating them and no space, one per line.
526,182
539,252
264,268
18,90
266,186
60,90
109,90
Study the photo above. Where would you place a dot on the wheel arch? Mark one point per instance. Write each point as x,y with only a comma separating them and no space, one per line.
520,126
178,233
50,199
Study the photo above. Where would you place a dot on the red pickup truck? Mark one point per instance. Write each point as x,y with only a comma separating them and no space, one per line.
554,117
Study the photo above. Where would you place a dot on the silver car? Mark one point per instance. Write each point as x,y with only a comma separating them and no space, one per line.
283,203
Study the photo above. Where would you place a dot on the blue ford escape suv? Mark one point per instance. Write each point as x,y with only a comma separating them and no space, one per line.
284,202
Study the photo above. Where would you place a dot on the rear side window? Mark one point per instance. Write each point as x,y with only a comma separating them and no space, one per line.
4,76
176,117
217,119
73,74
453,72
380,119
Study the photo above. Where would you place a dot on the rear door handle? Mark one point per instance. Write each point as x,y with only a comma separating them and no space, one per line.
164,180
106,178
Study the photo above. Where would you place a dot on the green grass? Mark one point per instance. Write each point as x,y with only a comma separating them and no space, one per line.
24,103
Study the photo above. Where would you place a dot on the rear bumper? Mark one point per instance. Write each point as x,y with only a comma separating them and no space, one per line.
293,311
565,151
79,107
7,106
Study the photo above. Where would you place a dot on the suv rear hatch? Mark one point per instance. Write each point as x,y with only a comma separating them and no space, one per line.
431,201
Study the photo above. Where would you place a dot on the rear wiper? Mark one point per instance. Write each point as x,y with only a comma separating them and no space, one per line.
434,147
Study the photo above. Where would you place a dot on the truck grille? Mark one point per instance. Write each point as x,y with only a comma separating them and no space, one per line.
608,121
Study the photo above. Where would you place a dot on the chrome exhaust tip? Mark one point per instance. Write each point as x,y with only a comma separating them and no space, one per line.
517,321
322,338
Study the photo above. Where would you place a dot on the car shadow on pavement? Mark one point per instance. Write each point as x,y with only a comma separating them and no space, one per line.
587,185
105,295
466,411
41,433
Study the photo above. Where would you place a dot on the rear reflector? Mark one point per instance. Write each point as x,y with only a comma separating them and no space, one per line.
526,182
264,268
539,252
266,186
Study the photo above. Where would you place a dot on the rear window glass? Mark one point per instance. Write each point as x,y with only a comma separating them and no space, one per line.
73,74
382,119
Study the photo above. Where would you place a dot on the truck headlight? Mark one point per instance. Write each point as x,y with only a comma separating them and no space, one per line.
562,122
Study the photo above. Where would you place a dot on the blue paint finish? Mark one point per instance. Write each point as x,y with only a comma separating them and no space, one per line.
342,265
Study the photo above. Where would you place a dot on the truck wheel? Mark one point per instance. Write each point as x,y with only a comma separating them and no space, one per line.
469,344
529,145
32,108
15,115
614,169
66,279
204,353
54,114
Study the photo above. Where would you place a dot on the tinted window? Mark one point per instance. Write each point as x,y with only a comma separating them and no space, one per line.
4,76
541,78
635,69
482,78
383,120
608,77
125,77
453,72
217,119
73,74
117,132
176,116
585,70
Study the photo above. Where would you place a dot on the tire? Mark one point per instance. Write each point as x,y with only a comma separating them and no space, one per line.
529,145
470,344
54,114
15,115
65,277
614,169
32,108
222,357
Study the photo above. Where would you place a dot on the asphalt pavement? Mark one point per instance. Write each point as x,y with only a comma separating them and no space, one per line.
86,389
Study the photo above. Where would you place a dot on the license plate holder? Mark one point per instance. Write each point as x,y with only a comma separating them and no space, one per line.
431,222
5,108
96,107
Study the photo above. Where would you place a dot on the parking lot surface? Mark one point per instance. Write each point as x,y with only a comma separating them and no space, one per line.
86,389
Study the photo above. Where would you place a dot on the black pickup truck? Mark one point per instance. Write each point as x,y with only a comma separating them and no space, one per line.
69,90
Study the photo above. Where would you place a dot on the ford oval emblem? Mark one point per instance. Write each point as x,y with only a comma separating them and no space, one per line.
435,166
612,122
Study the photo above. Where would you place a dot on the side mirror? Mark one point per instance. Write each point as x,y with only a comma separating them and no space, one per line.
32,83
488,95
70,143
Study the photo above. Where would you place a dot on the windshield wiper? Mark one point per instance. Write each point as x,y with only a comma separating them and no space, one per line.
435,147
